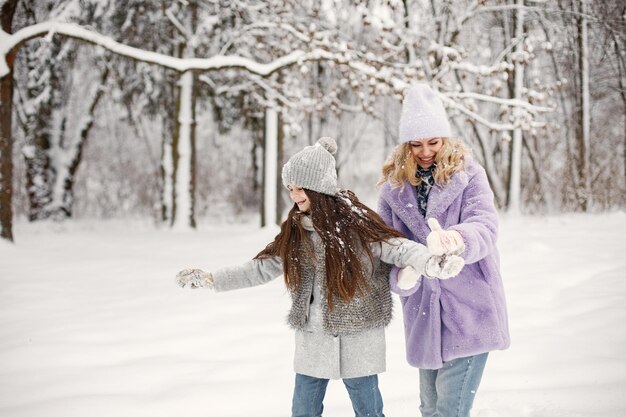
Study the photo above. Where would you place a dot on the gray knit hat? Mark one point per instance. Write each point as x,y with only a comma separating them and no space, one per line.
423,115
313,168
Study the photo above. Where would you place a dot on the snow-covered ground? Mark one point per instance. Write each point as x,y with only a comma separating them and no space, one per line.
92,324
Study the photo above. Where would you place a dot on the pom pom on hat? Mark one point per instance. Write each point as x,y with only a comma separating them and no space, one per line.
329,144
313,168
423,115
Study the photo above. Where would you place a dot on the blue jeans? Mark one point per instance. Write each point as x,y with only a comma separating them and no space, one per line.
450,390
308,396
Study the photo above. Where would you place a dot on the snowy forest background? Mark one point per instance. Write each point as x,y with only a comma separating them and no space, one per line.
161,109
141,137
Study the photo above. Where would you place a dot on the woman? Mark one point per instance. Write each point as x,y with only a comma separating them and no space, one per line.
436,194
329,250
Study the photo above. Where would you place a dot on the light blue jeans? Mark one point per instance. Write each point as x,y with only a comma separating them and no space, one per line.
308,396
450,390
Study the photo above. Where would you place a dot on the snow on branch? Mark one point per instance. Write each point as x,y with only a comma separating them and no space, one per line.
379,75
482,70
523,119
9,42
503,101
177,24
452,58
274,25
272,93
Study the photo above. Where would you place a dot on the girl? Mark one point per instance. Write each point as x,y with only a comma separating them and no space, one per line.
329,251
450,325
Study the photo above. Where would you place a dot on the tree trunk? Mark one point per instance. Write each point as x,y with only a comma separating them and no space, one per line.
516,152
6,135
280,157
584,118
169,142
410,52
184,213
61,204
167,172
37,154
536,165
269,212
6,158
50,180
44,94
621,80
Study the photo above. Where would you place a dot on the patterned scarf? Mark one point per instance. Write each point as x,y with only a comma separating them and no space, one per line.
423,188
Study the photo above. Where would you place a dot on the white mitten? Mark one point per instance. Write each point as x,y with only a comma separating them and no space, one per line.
407,278
442,242
443,267
195,278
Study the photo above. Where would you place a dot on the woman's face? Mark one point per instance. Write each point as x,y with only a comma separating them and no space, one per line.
299,197
425,150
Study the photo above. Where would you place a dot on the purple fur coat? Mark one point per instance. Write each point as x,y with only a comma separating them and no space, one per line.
465,315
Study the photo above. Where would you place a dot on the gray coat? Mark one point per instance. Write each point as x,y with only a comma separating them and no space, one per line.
350,346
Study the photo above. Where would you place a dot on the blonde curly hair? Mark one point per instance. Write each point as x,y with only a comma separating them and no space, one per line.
401,165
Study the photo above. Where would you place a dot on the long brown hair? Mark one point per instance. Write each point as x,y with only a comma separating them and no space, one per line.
346,227
401,165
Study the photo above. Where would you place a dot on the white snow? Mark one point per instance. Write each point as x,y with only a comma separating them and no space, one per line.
92,324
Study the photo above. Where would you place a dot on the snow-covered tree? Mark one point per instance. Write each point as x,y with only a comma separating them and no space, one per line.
56,113
324,67
150,93
601,179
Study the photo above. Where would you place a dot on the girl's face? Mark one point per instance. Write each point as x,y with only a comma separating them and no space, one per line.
425,150
299,197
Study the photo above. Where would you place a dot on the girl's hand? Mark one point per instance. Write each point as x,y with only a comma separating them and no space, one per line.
407,278
443,242
443,267
195,278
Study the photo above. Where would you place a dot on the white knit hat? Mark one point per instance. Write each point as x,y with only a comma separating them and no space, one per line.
423,115
313,168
